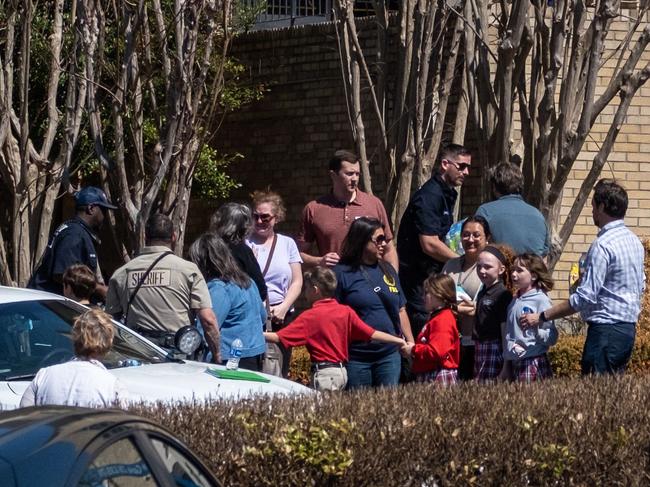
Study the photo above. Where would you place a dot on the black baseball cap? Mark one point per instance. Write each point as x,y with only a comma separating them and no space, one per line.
91,195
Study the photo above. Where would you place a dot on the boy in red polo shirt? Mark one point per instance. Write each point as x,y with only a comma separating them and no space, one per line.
326,329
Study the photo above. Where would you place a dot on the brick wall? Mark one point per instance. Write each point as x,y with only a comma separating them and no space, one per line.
288,137
629,162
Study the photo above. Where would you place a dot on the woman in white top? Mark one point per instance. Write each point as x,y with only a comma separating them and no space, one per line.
474,235
83,381
283,274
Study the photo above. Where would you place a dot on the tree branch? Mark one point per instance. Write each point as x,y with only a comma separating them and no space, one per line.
627,94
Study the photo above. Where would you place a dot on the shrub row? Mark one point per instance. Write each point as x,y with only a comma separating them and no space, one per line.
562,432
564,356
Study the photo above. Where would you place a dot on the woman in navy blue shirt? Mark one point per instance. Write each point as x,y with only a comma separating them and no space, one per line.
370,286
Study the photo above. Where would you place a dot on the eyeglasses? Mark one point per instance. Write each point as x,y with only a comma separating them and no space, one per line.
263,217
461,166
379,240
467,236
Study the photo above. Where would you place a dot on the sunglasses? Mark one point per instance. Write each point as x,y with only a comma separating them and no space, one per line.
379,240
461,166
263,217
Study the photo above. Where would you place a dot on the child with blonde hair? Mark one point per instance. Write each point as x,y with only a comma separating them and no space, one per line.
83,381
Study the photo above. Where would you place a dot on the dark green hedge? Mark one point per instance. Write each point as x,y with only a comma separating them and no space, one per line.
563,432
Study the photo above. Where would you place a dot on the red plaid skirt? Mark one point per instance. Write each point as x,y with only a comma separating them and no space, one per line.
532,369
442,377
488,360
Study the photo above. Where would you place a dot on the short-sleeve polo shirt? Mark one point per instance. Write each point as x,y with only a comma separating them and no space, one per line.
73,242
326,329
430,212
327,220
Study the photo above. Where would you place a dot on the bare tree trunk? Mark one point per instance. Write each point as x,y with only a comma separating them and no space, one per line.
445,92
628,90
131,122
409,140
567,42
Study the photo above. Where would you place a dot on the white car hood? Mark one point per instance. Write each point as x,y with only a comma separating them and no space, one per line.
172,382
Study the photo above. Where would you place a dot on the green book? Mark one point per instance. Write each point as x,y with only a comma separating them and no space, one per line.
237,375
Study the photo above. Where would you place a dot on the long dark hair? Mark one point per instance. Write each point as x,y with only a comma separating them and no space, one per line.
358,236
215,261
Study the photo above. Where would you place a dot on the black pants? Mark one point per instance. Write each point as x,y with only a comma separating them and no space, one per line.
466,365
286,352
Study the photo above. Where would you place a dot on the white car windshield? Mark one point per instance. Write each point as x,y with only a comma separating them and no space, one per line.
36,334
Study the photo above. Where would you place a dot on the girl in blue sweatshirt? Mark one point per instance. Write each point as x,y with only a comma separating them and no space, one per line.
527,349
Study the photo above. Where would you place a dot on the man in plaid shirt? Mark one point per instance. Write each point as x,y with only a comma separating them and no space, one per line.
609,295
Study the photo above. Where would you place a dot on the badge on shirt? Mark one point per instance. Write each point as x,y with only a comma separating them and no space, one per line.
156,278
391,283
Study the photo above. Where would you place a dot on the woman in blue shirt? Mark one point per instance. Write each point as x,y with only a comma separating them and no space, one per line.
370,286
235,300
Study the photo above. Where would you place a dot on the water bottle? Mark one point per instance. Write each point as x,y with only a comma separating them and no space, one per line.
235,354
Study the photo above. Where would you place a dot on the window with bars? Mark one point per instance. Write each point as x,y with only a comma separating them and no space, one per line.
285,12
282,9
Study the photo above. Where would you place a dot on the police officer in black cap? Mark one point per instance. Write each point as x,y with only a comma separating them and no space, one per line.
73,242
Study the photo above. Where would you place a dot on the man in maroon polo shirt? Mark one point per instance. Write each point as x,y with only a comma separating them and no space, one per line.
327,219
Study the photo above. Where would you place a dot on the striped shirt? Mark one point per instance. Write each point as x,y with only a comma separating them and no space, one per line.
613,283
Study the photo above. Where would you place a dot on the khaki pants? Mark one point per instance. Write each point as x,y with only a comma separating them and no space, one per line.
330,379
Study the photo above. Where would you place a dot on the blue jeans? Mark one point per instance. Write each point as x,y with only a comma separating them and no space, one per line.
608,348
381,372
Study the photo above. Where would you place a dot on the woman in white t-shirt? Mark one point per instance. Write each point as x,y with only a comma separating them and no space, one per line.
83,381
283,274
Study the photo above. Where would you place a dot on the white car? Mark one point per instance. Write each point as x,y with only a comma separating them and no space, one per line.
35,332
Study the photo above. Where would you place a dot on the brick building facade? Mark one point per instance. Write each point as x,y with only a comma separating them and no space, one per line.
289,135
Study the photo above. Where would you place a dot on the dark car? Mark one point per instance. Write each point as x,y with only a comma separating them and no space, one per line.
64,446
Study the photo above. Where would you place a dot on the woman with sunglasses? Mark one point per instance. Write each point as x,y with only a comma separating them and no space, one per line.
370,286
233,222
279,258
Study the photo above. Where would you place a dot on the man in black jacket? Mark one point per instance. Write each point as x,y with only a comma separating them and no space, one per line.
74,242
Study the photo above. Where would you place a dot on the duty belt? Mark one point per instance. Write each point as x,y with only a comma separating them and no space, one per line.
165,339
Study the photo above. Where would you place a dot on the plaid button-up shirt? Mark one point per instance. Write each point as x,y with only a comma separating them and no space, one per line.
613,283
